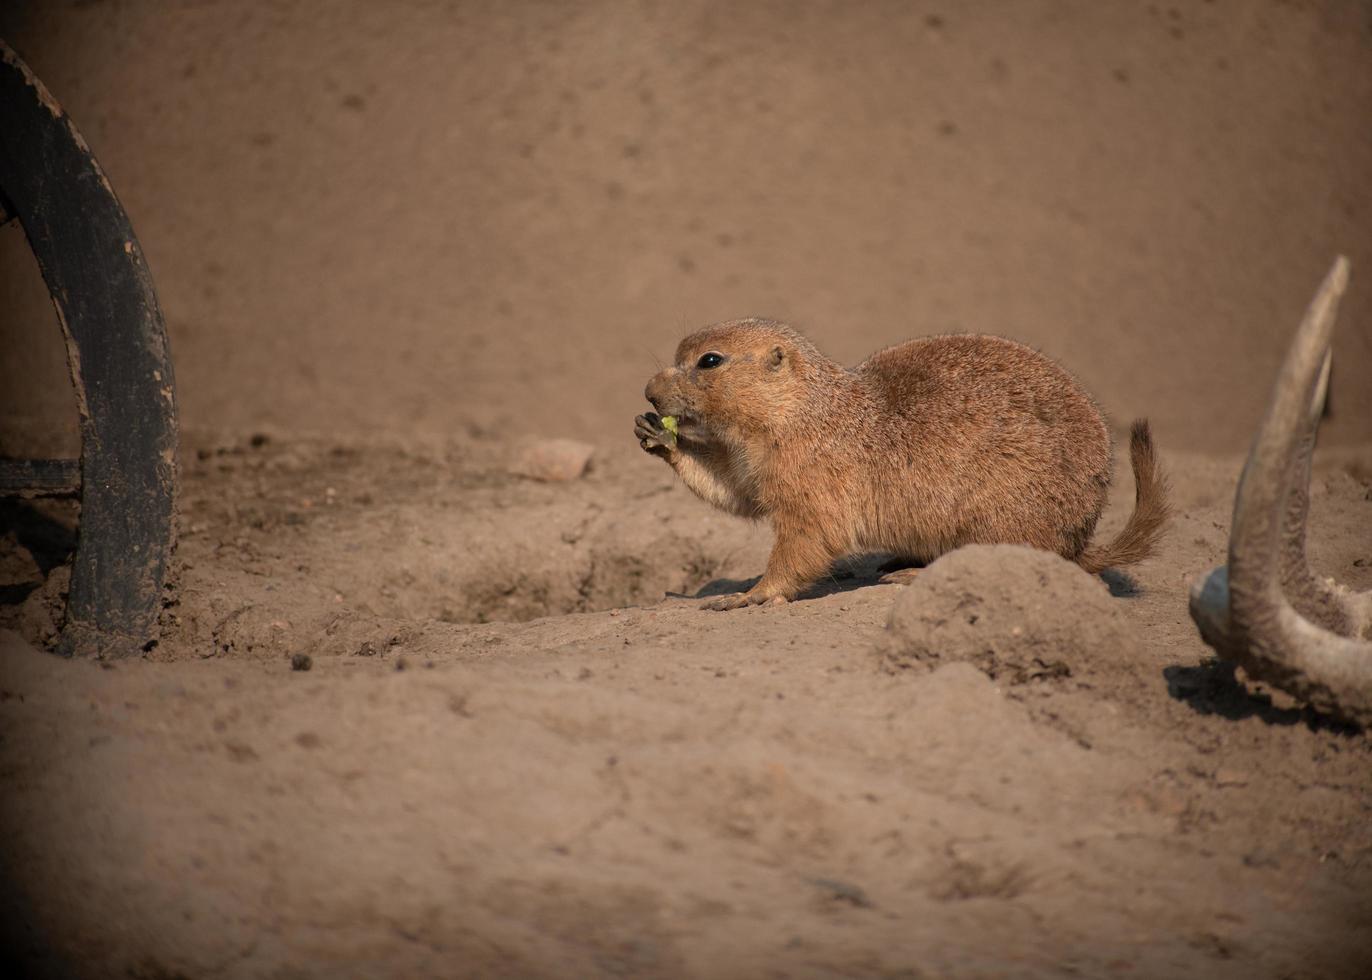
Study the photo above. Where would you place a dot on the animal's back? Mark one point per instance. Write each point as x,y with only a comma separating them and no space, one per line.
1002,442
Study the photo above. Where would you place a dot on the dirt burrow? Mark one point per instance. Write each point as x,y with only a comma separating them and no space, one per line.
283,545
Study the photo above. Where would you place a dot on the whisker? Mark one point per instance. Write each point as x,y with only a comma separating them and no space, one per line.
657,361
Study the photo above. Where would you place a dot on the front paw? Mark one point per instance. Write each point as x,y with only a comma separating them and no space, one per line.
652,435
737,600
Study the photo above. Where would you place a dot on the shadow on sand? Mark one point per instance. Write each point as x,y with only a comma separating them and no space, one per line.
1213,688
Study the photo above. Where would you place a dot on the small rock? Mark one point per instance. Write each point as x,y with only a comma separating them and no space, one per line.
241,752
301,661
842,891
554,460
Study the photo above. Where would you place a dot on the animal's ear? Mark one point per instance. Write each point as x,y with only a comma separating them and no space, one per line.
775,358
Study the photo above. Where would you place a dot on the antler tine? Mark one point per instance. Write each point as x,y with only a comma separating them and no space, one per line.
1261,505
1313,596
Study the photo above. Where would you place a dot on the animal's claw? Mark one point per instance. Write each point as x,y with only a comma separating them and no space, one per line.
652,435
738,600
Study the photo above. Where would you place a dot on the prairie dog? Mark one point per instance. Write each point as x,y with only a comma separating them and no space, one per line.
921,448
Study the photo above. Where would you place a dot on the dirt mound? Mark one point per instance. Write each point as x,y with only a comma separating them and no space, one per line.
1018,614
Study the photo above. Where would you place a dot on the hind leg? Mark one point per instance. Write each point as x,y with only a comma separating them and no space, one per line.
900,570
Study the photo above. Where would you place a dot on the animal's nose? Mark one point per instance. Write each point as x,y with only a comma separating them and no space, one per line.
653,392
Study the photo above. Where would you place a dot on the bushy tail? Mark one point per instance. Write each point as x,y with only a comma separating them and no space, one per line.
1151,509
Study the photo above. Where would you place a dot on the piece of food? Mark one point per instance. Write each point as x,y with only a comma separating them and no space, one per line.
669,425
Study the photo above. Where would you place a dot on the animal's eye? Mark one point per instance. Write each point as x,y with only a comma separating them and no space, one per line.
710,360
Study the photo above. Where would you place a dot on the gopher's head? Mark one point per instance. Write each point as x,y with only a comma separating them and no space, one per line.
738,376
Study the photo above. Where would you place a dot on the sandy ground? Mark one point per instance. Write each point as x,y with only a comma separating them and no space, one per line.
395,241
1002,769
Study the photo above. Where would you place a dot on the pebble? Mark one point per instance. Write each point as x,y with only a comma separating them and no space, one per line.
554,460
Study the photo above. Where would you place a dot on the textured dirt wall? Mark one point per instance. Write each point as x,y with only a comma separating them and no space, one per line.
480,216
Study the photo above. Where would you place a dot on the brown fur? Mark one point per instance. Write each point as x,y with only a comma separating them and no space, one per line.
922,448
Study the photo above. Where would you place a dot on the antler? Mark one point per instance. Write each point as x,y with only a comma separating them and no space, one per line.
1266,609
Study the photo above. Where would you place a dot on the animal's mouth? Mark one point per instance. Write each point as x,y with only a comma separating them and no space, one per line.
683,416
685,420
